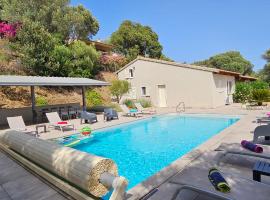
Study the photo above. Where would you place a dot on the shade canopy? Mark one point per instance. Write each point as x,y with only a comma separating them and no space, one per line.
32,81
10,80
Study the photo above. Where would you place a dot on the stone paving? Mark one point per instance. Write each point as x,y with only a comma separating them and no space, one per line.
17,183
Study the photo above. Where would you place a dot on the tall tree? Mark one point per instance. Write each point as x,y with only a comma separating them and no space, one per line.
231,61
133,39
55,15
41,41
265,72
119,88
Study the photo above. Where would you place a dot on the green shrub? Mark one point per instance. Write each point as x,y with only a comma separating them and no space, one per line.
129,103
145,103
243,92
248,91
93,98
4,57
41,101
260,95
259,84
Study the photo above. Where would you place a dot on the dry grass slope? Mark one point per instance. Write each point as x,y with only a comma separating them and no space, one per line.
16,97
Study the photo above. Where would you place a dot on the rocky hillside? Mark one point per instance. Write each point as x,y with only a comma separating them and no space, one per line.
15,97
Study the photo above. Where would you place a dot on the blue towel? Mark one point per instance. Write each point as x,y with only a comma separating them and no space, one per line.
218,180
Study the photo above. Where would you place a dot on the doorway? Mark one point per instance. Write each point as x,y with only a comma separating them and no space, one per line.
162,96
229,93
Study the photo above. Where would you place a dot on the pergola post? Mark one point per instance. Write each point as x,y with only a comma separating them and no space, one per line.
33,100
83,98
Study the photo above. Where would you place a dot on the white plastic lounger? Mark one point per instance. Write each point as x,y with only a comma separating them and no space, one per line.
54,120
127,112
17,124
144,110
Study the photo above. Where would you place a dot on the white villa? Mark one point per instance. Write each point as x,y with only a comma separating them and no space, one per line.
168,83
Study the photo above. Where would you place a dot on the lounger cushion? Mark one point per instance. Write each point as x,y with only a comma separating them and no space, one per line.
62,123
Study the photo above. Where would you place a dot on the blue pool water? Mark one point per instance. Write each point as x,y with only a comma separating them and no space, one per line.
144,147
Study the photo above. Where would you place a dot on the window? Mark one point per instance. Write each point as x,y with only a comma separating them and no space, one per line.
144,91
131,73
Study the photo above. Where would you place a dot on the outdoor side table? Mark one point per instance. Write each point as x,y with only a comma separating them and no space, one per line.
41,126
260,168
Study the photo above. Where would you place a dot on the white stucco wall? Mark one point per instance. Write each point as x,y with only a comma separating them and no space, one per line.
196,88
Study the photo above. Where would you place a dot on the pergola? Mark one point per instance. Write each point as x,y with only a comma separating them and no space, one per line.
32,81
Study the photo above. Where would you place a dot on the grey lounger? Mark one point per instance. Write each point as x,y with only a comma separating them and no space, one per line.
237,149
263,120
192,183
241,188
88,117
182,192
261,131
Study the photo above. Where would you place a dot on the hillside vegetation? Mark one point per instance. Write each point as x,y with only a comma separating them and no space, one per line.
16,97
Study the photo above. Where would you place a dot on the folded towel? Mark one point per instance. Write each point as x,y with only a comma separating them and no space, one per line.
252,147
133,110
61,122
218,180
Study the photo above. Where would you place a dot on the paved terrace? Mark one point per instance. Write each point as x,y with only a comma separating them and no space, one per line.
16,181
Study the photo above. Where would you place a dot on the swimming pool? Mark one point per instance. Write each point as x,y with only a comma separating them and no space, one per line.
144,147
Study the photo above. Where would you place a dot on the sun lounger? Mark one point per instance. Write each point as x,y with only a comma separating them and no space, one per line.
261,131
56,122
144,110
127,112
237,149
192,183
110,114
173,191
241,188
17,124
263,120
88,117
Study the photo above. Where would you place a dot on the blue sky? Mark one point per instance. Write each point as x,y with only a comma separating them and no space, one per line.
192,30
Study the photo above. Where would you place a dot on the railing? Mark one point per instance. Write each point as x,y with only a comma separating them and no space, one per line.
181,107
